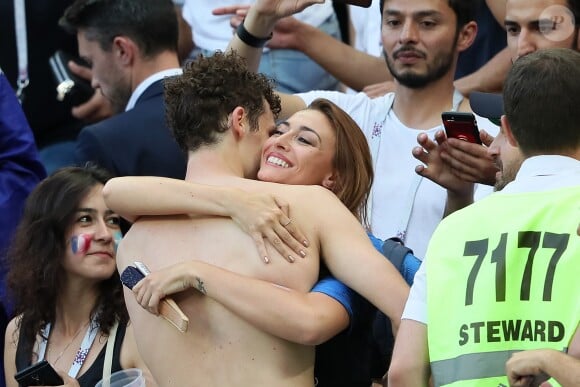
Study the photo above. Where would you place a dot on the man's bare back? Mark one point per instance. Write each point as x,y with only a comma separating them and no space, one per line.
219,347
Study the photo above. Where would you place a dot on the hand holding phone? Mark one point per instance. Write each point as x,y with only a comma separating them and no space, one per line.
461,126
168,309
39,374
69,86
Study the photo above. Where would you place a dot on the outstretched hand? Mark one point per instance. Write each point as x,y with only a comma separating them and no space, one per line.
273,8
430,153
237,11
282,8
471,162
284,30
266,216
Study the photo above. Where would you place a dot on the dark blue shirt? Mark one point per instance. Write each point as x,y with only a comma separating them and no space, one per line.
20,171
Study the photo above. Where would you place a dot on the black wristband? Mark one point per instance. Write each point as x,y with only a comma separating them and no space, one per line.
250,39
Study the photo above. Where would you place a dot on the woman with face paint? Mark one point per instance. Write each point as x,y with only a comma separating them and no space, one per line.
323,146
63,277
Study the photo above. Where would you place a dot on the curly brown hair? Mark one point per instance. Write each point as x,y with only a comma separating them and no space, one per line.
199,101
35,256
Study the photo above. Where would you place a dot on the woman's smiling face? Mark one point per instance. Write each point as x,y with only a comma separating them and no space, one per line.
300,150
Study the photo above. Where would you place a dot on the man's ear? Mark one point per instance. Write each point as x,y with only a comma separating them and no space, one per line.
507,132
466,36
125,50
238,121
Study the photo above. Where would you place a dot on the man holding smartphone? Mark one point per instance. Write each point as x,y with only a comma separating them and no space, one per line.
483,257
421,40
531,25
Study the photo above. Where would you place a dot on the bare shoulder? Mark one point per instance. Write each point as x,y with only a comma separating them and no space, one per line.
12,331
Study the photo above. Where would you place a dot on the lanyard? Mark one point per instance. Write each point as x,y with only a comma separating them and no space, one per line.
83,351
403,222
21,47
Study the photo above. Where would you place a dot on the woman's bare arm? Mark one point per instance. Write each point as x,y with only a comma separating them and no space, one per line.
308,319
259,215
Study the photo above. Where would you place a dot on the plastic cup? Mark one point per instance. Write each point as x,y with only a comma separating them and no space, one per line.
130,377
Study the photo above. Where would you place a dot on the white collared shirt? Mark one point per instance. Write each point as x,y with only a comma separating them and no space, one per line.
148,82
536,174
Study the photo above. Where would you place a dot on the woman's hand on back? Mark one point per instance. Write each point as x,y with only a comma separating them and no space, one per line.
267,216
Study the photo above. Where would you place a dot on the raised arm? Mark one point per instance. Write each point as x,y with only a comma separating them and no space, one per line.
350,257
259,22
308,319
488,78
352,67
259,215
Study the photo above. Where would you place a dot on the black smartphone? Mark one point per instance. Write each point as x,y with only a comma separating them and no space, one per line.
39,374
462,126
359,3
130,276
69,87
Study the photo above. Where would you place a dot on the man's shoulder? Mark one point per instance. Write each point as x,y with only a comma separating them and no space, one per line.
135,119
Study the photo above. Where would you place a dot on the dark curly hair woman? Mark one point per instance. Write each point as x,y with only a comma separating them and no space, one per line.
63,277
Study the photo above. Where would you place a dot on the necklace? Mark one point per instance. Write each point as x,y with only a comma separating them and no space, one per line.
81,354
69,344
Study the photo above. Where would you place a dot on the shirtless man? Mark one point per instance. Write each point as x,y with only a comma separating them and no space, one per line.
222,113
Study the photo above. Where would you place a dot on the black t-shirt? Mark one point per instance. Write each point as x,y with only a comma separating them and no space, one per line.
345,359
490,39
50,119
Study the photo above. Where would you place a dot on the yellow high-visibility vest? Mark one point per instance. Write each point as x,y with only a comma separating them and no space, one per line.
503,275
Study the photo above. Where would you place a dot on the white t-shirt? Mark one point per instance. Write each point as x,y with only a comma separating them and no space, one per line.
212,32
539,173
395,169
367,28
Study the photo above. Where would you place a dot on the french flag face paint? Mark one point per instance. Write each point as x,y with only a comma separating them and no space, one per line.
117,236
80,243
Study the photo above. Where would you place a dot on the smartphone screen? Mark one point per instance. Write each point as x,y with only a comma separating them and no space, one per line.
461,126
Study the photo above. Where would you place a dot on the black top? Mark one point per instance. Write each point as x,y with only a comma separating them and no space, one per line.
95,372
490,40
345,359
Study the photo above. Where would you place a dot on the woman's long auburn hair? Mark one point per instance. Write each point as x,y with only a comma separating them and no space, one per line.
35,256
352,159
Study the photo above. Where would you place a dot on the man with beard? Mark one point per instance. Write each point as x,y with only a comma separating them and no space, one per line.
422,40
531,25
506,266
131,46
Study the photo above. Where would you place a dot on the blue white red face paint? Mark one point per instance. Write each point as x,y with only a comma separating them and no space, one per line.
117,236
80,243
